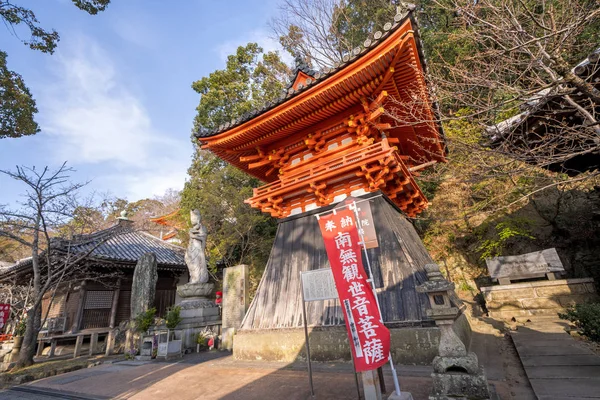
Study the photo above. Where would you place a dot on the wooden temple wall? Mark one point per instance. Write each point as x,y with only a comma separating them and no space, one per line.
97,302
397,268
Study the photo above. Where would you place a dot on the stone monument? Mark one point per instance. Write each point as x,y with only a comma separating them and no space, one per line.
197,310
143,288
456,372
235,302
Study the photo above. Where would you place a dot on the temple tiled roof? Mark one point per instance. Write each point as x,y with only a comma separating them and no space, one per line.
120,244
130,246
319,76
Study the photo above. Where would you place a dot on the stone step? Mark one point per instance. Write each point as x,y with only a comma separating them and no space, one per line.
553,350
580,359
569,388
573,372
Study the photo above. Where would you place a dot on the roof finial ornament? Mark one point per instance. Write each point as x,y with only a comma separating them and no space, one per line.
123,216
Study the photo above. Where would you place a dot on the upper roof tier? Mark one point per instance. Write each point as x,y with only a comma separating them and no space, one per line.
390,64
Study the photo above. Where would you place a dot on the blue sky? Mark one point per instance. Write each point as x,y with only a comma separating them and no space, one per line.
115,99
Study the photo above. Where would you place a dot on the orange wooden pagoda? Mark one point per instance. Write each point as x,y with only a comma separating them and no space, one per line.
331,135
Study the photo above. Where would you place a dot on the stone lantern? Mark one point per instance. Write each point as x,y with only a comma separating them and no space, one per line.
456,372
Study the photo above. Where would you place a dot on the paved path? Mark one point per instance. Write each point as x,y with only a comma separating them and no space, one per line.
557,365
216,376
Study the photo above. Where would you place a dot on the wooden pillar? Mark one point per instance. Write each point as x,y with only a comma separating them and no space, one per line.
52,348
371,388
76,326
40,348
110,343
78,345
115,304
93,343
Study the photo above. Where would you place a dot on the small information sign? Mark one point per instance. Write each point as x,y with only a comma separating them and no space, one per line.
318,285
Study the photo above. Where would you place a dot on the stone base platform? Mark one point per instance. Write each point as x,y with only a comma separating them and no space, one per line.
410,345
523,301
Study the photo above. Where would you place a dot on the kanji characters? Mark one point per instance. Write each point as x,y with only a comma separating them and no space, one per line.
330,226
342,240
373,351
356,288
367,327
350,272
360,305
346,221
347,256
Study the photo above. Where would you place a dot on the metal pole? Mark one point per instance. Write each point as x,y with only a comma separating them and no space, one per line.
370,280
310,379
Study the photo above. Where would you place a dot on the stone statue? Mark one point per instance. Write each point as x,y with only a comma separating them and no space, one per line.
198,287
194,256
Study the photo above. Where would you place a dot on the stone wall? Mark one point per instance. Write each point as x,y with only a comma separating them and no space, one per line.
522,301
409,345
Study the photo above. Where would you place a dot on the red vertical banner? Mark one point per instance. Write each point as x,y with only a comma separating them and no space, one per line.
369,338
4,314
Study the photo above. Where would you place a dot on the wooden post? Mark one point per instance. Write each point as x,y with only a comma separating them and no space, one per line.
76,326
115,304
52,348
40,348
78,345
93,343
371,388
110,343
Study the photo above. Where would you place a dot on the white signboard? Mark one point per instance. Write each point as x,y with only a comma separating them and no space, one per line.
318,285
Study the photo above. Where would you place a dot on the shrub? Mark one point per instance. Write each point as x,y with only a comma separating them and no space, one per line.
173,317
145,320
586,318
130,355
202,340
21,327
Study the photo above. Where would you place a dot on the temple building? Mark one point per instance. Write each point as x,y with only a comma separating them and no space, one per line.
331,136
95,295
550,131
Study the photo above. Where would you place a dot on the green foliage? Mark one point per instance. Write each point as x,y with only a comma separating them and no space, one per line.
250,79
173,317
504,232
464,286
586,317
92,7
237,234
145,320
21,327
354,20
16,104
202,340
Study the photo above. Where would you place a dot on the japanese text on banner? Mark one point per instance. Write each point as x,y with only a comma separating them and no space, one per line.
369,338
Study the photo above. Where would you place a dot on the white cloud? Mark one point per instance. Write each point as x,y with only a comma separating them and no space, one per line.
260,36
95,119
137,29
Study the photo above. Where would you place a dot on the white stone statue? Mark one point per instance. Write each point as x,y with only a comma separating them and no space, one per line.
194,256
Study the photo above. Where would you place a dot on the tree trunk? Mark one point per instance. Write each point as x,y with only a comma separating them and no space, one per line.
30,339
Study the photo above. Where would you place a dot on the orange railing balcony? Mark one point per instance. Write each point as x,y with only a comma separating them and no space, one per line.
375,165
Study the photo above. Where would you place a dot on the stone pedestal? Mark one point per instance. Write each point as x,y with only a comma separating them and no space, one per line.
456,372
197,311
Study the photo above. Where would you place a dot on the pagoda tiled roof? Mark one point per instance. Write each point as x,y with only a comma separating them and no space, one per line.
317,76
